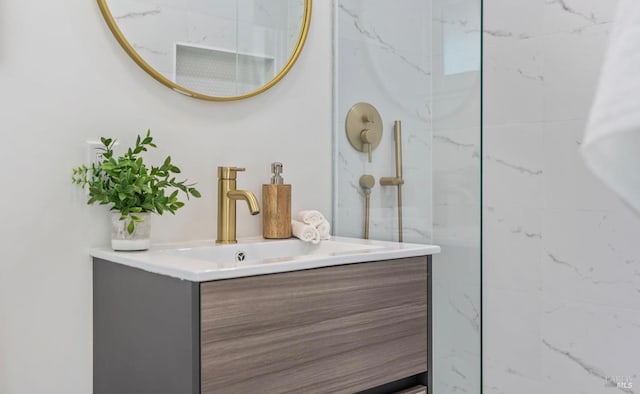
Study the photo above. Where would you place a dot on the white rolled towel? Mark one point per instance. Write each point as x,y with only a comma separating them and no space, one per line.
311,217
305,232
324,228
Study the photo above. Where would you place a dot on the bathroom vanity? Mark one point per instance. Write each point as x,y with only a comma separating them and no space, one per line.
344,316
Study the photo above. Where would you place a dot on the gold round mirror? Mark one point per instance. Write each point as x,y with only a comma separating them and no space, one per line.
218,50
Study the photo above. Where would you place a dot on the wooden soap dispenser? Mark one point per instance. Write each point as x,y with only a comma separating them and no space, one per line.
276,206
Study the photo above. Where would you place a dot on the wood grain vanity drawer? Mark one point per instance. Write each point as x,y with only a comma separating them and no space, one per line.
337,329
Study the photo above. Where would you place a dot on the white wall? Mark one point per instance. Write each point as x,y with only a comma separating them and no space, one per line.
561,253
64,80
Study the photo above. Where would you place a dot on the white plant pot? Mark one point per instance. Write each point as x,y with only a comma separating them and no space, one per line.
140,239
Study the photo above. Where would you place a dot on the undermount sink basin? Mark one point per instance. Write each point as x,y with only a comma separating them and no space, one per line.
204,261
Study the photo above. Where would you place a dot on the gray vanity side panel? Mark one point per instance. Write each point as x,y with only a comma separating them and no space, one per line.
160,318
429,380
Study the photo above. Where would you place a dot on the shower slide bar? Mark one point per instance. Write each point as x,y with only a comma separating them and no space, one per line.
397,181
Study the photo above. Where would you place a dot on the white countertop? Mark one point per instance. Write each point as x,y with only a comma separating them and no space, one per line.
201,261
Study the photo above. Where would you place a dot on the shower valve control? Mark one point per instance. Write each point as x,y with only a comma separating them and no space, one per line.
364,128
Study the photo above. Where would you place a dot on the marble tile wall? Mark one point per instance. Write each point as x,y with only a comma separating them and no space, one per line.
561,259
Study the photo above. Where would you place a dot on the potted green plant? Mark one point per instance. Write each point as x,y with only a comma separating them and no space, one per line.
133,189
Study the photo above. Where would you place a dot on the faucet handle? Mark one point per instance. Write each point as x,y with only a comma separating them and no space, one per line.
229,172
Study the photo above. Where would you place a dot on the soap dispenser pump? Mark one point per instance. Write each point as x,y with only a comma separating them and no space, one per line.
276,206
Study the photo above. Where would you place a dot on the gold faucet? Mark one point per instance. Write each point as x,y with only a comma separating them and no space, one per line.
227,196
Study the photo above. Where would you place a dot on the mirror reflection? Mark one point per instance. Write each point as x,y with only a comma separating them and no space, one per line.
220,49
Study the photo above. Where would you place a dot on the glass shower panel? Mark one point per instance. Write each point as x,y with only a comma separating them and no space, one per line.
384,61
457,136
419,62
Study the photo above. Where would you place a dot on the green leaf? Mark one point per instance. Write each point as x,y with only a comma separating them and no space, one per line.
131,227
106,141
167,162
